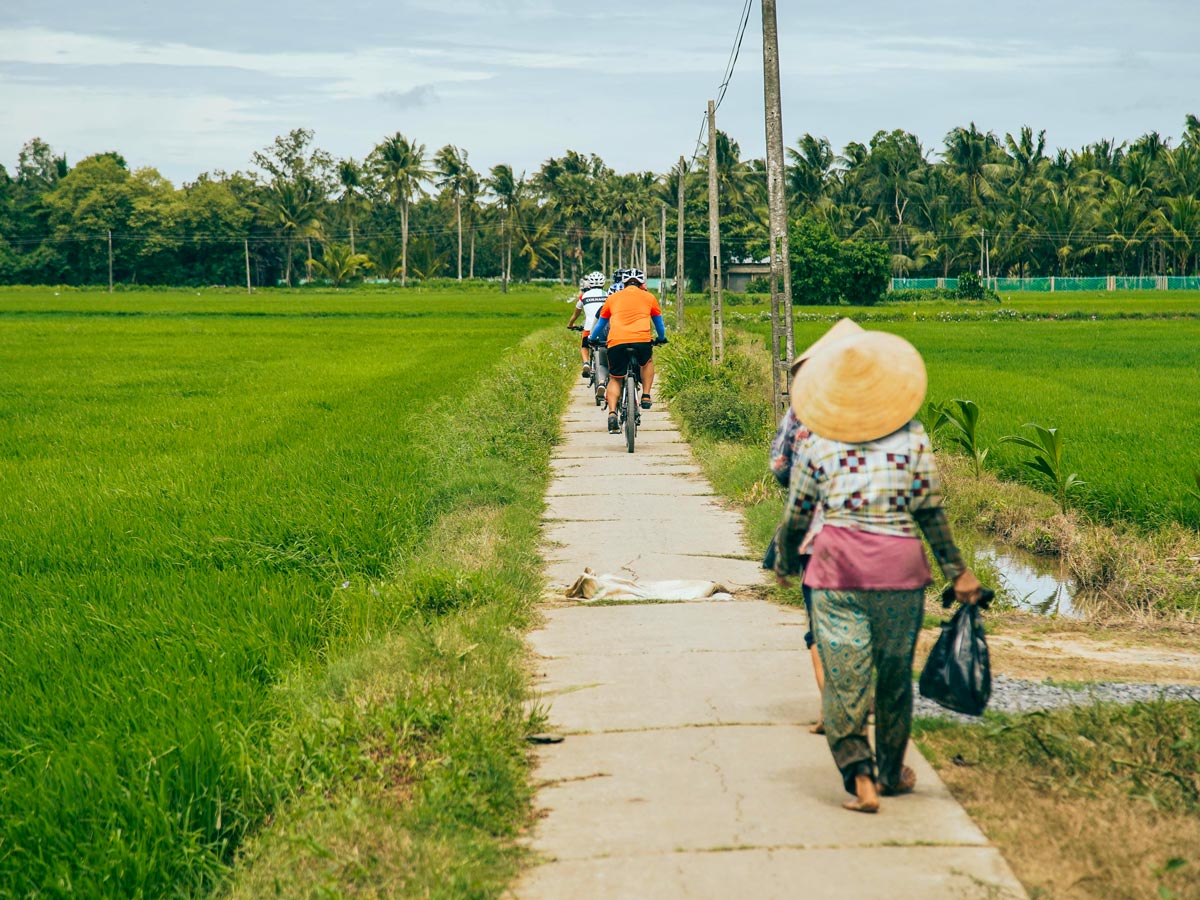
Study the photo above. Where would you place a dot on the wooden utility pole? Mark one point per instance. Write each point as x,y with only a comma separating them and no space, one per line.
503,267
645,247
662,256
679,248
110,279
246,245
783,342
716,316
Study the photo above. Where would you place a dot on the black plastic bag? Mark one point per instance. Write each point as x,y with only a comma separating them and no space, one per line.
958,674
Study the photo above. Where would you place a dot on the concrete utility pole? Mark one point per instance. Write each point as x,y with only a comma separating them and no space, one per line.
246,245
716,316
783,341
645,246
679,248
662,256
110,280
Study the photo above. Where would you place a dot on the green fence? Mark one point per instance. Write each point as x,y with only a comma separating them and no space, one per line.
1054,284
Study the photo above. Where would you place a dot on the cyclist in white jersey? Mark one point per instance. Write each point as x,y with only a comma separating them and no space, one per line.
589,304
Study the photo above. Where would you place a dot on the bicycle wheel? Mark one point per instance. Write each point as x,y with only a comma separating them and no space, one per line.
631,411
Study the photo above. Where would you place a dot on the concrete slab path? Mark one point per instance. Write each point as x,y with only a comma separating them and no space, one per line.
687,769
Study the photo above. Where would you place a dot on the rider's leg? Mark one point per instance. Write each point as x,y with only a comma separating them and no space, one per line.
647,375
613,394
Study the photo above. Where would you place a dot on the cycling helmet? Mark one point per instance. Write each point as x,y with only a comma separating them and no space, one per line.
613,288
594,280
635,275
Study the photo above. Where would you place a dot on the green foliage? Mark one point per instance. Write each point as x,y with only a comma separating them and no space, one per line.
719,410
1196,478
759,286
1047,461
970,287
962,419
829,271
223,507
714,400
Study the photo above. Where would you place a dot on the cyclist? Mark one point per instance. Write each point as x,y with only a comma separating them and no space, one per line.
589,303
625,323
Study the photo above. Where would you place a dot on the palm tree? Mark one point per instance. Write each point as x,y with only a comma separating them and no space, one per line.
508,191
972,154
451,166
350,178
812,169
294,208
471,190
338,262
400,164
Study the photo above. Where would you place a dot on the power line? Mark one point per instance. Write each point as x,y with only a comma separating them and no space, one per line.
727,77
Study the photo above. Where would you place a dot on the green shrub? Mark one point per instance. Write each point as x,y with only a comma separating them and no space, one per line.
970,287
760,285
719,410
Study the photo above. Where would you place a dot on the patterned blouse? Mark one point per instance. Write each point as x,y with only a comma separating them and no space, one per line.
888,486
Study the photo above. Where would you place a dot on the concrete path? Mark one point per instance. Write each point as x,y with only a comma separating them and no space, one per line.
687,768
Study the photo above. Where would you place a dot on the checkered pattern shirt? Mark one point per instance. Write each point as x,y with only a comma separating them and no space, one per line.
790,433
889,486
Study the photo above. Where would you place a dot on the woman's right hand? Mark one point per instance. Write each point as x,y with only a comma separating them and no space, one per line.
967,588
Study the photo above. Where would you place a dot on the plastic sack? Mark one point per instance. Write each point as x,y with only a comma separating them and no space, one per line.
958,673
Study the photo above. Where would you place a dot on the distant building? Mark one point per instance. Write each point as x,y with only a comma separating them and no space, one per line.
736,277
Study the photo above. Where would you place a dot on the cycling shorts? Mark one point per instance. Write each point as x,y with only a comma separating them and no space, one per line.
619,356
586,334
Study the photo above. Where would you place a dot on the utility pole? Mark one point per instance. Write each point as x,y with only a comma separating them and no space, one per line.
783,341
981,240
679,248
503,244
662,256
110,280
716,314
246,245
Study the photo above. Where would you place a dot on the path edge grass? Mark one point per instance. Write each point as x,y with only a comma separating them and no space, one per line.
409,752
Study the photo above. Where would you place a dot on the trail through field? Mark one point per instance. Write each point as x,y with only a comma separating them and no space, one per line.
687,767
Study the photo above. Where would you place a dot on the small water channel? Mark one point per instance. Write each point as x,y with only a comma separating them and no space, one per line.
1033,583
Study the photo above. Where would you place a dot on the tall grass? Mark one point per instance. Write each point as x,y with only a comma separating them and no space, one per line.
193,508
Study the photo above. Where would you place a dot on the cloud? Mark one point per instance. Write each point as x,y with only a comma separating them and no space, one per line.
339,75
420,95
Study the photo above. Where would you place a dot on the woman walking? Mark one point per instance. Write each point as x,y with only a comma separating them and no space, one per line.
870,466
791,433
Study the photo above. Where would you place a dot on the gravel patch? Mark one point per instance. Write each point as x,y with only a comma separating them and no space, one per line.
1019,695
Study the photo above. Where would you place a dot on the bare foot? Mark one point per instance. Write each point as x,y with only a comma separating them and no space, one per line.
867,799
908,781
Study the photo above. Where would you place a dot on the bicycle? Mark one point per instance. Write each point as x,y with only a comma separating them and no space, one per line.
631,392
597,386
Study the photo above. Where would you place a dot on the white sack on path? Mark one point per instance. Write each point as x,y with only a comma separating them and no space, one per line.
590,586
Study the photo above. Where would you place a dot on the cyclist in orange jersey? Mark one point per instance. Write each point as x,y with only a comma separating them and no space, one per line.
625,323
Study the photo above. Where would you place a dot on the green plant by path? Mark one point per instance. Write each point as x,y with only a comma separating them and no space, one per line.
1047,461
962,417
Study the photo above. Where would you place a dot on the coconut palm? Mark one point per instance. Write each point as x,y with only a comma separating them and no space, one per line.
294,207
350,178
339,263
451,166
508,190
400,166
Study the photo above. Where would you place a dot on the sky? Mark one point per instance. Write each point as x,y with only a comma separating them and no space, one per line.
189,88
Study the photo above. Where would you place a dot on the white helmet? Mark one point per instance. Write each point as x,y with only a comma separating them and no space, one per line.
635,275
595,280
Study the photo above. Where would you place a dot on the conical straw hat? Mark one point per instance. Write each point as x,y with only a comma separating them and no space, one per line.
860,388
841,328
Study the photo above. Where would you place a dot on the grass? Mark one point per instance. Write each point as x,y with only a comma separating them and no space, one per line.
215,524
1091,802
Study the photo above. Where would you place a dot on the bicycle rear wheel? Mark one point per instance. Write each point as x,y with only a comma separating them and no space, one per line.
631,411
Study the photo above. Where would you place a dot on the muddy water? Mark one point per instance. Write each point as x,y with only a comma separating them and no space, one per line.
1032,583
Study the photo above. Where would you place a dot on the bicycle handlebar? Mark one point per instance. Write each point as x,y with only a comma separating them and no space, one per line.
575,327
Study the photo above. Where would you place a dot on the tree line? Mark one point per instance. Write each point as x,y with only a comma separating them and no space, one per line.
405,212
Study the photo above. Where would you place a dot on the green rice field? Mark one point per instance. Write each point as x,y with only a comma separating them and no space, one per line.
200,498
1125,393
